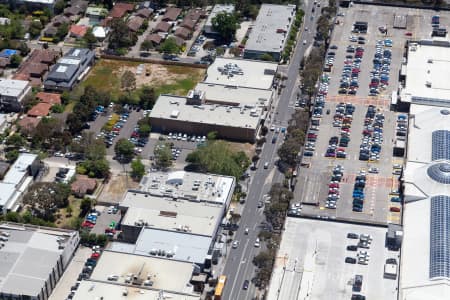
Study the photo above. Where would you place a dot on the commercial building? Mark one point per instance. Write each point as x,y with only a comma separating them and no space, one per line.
178,201
146,272
235,96
17,181
174,114
12,92
218,8
33,259
270,31
425,264
425,73
241,73
88,290
69,69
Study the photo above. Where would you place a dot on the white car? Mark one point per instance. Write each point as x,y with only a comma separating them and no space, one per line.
235,244
257,243
304,42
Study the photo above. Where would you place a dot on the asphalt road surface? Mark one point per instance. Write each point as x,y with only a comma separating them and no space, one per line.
239,266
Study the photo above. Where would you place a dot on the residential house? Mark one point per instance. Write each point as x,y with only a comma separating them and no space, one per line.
28,124
162,27
36,66
59,20
76,8
171,14
188,24
50,31
96,14
100,32
78,31
50,98
135,23
41,109
183,33
70,69
155,38
4,21
83,185
144,13
121,9
179,41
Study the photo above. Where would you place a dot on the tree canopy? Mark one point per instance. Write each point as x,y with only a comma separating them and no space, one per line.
217,157
124,150
163,155
169,46
137,169
226,25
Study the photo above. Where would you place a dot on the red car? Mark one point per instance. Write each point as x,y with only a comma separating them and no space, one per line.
408,34
333,185
312,135
95,255
394,209
87,224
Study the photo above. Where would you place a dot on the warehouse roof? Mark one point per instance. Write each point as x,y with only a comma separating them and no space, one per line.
426,73
175,108
218,93
271,28
241,73
164,213
169,244
165,274
89,290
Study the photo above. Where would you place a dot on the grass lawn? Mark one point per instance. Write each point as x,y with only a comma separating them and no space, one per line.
177,80
66,221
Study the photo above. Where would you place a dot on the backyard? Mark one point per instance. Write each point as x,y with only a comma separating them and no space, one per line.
167,79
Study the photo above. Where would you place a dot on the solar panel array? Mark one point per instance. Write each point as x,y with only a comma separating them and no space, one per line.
440,148
440,237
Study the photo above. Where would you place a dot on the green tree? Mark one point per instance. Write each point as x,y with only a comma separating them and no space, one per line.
62,31
12,155
163,155
59,6
35,28
147,97
90,39
85,206
15,140
211,136
15,60
137,169
267,57
128,81
121,37
226,25
288,152
124,150
146,45
144,130
169,46
217,157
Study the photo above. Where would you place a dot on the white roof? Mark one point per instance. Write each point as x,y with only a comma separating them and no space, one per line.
89,290
13,87
414,280
428,64
255,74
19,169
218,93
99,32
219,8
425,119
164,213
220,115
7,190
271,29
167,275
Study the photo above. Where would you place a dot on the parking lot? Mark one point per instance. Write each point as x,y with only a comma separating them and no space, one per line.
312,260
105,219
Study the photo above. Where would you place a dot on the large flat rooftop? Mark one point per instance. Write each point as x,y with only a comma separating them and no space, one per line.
241,73
427,71
174,108
165,213
29,256
181,246
89,290
225,94
271,28
165,274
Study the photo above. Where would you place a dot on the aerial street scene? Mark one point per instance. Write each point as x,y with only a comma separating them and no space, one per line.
225,150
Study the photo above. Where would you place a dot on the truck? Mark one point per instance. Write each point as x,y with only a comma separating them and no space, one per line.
219,287
390,271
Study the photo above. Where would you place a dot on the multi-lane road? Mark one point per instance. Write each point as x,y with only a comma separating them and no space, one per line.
239,266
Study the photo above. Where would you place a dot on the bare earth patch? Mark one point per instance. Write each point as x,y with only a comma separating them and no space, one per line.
116,187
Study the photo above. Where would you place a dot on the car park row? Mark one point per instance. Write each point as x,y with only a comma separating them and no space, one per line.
372,139
352,67
379,76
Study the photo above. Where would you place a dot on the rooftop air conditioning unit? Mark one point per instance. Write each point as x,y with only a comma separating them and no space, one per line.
428,84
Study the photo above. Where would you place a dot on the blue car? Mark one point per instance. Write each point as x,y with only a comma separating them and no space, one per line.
395,199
